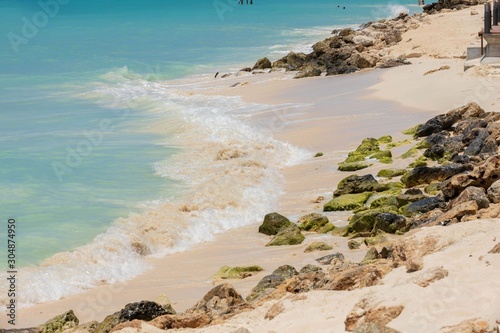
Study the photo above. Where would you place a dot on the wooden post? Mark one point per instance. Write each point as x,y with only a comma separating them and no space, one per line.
487,18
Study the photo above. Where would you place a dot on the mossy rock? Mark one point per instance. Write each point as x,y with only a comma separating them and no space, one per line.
347,202
285,271
371,255
365,222
432,188
353,245
274,222
412,152
368,146
108,323
378,239
318,246
412,130
383,156
315,222
290,235
339,231
385,139
392,187
391,173
421,161
354,166
227,272
398,144
60,323
318,154
385,201
423,145
356,184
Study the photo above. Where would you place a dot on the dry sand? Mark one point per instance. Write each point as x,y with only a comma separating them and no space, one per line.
335,113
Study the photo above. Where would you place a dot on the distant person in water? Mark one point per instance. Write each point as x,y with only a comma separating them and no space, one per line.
216,75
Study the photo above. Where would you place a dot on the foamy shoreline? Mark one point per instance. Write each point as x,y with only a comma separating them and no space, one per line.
316,129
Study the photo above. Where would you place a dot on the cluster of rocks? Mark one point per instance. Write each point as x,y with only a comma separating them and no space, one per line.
450,5
348,50
456,178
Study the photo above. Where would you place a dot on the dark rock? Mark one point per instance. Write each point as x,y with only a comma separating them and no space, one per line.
476,145
436,152
356,184
246,69
409,196
310,268
265,286
489,147
424,205
327,260
308,72
274,222
425,175
262,63
144,310
285,271
389,222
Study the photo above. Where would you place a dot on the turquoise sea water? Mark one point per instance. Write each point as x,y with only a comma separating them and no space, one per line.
82,84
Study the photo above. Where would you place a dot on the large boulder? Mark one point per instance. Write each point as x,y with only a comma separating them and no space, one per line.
60,323
477,194
393,36
144,310
219,301
446,121
285,271
389,222
366,41
262,63
356,184
423,206
273,222
290,235
315,222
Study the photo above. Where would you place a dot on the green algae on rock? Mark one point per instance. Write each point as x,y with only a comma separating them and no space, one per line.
390,173
60,323
354,166
290,235
274,222
318,246
347,202
238,272
316,223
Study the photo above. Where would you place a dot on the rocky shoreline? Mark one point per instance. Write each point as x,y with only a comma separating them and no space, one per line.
451,177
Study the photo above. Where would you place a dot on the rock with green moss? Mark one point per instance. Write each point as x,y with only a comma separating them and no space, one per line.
375,240
383,156
423,206
391,173
290,235
373,220
347,202
389,222
398,144
353,245
318,246
368,146
315,222
412,152
108,323
354,166
432,188
60,323
286,271
356,184
419,162
411,195
385,139
411,130
371,255
274,222
318,154
385,201
227,272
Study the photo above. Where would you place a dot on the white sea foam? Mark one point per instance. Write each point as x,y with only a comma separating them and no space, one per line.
231,175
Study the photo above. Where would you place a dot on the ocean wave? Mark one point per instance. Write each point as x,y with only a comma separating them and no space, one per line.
230,174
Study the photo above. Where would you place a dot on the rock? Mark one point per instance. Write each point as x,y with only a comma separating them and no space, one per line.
378,239
467,326
191,320
108,323
354,166
246,69
476,145
327,260
290,235
221,300
411,195
262,63
425,175
356,184
368,147
285,271
265,287
494,192
371,255
390,173
432,276
423,206
227,272
315,222
389,222
274,222
476,194
435,152
60,323
144,310
275,310
495,249
362,222
353,245
393,37
308,72
459,211
366,41
318,246
347,202
364,312
373,328
363,60
385,201
310,268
